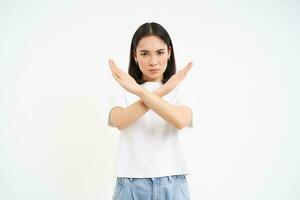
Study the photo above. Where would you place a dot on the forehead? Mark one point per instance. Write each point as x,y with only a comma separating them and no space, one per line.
151,43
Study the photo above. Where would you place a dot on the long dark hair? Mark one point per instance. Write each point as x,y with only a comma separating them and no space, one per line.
147,29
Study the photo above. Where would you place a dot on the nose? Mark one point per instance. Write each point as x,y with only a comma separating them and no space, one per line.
153,60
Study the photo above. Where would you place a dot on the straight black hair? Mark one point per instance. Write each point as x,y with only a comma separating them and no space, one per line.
147,29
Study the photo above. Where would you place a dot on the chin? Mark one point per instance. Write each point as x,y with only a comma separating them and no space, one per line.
154,77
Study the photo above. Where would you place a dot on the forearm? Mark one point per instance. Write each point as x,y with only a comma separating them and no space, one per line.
169,112
137,109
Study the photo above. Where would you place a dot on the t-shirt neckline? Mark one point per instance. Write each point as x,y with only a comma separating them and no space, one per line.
153,82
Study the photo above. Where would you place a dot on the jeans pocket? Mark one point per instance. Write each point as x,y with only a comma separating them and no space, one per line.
184,188
118,188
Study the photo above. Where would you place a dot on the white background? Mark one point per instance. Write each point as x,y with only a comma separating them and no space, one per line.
55,83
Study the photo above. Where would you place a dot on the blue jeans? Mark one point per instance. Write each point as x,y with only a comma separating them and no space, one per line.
158,188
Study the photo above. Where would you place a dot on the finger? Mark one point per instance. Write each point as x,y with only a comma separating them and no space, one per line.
115,77
118,69
188,67
119,72
114,69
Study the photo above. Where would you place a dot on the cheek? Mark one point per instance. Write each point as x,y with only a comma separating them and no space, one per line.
142,61
164,61
142,67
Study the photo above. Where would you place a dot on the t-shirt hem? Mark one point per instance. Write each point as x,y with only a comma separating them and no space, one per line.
151,175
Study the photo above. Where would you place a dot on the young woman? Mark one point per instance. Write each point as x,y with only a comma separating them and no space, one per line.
151,111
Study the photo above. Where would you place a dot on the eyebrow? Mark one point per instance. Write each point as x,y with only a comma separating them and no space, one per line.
143,50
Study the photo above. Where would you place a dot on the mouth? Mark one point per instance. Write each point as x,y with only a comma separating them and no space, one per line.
154,70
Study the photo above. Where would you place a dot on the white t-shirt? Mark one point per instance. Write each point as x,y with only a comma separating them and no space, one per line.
151,146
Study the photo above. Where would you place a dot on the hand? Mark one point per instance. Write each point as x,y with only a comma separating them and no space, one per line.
124,79
176,78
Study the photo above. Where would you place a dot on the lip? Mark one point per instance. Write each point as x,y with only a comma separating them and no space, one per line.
154,71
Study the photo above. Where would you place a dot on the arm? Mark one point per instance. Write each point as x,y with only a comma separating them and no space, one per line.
123,117
179,116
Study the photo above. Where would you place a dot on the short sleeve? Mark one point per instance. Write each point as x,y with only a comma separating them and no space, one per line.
117,98
184,97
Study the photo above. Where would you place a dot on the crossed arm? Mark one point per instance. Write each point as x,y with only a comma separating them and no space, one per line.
178,116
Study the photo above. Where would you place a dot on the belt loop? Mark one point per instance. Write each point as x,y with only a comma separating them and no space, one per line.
152,180
131,179
169,178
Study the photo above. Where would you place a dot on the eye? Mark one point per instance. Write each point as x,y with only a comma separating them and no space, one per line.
143,54
161,53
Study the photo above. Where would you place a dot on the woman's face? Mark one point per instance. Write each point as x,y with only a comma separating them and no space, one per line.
152,55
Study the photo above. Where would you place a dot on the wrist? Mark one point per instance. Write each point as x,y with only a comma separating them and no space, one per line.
140,91
160,92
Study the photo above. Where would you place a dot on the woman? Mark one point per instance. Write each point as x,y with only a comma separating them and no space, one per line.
151,111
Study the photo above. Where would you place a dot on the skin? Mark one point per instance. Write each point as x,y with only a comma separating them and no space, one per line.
149,56
152,53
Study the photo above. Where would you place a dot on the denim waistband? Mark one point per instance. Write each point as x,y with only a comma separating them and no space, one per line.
154,179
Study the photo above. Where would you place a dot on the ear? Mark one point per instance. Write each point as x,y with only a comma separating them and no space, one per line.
134,56
169,52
